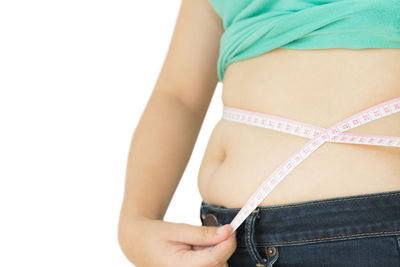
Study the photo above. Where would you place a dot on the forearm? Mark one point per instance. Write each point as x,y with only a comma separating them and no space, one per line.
160,149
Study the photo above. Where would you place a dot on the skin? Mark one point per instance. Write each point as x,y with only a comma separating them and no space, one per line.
320,87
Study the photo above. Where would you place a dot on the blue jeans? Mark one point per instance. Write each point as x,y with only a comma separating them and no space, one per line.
361,230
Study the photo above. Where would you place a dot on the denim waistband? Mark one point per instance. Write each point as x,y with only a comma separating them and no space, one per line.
376,214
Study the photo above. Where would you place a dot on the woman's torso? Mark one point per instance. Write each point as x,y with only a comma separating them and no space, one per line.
320,87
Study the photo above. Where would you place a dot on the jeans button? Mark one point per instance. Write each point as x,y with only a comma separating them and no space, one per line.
271,251
210,220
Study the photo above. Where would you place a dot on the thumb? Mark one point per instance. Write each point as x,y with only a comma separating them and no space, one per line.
203,235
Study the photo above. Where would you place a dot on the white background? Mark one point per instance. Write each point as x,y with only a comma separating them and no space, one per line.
75,77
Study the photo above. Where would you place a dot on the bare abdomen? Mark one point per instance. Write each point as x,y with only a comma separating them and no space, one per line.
320,87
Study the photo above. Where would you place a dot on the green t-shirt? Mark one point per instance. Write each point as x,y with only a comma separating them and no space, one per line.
253,27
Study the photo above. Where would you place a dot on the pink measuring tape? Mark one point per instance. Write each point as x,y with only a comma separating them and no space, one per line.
318,136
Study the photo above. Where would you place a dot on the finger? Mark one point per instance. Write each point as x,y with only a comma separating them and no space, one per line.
210,247
225,249
219,253
200,235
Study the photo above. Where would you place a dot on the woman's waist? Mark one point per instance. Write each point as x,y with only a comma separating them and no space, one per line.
319,88
240,157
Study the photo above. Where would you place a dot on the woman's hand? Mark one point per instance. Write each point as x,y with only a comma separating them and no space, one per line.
154,243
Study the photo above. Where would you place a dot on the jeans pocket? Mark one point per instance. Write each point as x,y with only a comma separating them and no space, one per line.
368,251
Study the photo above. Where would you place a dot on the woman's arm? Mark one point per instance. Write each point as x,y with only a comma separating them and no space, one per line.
168,128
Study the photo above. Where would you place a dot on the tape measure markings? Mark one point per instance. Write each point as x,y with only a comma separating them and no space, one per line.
304,129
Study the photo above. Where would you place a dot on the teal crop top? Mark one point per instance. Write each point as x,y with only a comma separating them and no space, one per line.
253,27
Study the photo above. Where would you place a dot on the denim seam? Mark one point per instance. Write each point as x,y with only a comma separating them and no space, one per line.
325,238
260,258
274,258
398,242
248,244
249,241
304,204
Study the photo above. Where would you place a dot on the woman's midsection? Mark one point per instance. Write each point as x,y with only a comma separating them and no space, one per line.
320,87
